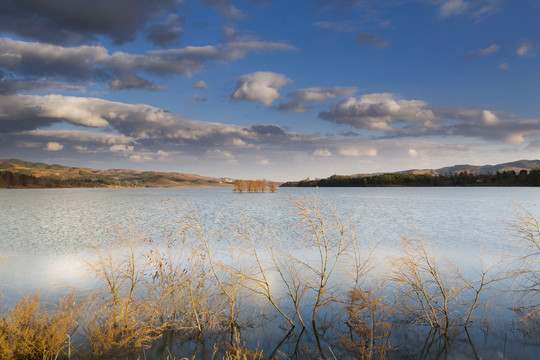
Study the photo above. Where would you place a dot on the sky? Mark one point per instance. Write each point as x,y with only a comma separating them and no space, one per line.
282,89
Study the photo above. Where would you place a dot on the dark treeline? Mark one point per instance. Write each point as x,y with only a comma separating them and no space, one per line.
10,179
505,178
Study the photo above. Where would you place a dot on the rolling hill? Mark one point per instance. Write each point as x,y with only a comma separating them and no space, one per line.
66,176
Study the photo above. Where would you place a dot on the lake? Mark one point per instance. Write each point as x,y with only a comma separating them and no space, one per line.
47,232
43,228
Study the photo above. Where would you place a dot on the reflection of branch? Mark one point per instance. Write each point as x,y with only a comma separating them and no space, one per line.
287,335
476,356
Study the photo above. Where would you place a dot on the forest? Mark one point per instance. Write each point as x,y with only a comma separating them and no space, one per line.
504,178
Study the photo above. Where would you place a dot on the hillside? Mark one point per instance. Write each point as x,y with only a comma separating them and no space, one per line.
516,166
36,174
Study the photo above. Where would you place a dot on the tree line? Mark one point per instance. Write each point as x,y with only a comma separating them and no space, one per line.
464,178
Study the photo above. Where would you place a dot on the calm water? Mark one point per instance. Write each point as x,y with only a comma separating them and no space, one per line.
42,229
46,232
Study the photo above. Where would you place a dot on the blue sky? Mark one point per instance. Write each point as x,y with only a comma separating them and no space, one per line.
276,89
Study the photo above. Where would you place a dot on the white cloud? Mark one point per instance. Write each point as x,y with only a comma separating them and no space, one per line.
483,52
53,146
503,66
131,123
413,152
314,94
489,118
85,63
81,136
225,8
355,151
133,82
371,152
476,9
322,153
514,139
526,48
219,154
121,148
452,7
260,86
199,85
377,111
141,158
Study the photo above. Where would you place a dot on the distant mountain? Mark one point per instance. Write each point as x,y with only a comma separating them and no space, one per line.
66,176
516,166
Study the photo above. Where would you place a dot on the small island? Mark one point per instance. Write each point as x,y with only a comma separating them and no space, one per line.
254,186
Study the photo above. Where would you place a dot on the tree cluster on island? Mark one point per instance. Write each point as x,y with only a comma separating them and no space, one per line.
254,186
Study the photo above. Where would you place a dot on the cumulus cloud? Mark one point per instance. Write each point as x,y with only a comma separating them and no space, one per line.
259,86
370,39
314,94
85,63
526,48
335,26
81,136
225,8
483,52
356,151
196,99
144,133
219,154
452,7
322,153
503,66
168,33
514,139
476,9
489,118
8,87
199,85
133,82
137,123
470,114
377,111
475,123
75,21
121,148
53,146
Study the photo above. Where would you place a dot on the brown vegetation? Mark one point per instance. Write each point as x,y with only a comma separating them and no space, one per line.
254,186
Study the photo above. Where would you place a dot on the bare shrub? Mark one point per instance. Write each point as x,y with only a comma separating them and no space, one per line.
326,233
434,295
117,320
228,281
31,331
527,270
369,329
